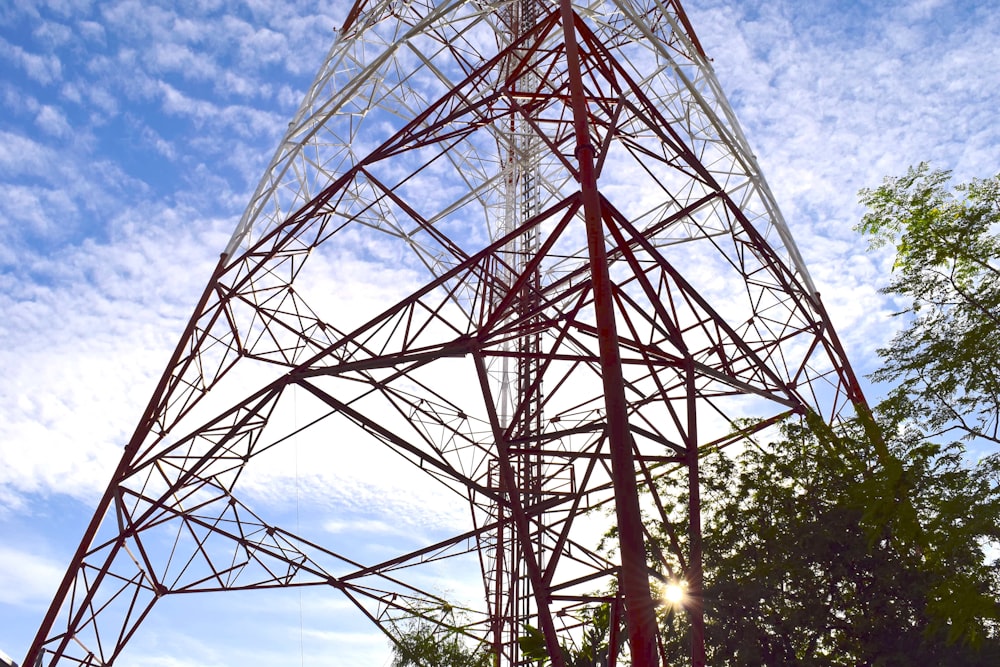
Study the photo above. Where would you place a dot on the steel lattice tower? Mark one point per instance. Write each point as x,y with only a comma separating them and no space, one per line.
608,290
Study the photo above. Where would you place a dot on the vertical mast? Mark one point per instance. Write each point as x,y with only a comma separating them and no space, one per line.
519,400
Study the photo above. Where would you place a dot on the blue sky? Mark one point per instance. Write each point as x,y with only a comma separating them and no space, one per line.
133,133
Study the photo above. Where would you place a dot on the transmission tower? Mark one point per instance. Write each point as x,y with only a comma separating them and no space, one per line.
607,291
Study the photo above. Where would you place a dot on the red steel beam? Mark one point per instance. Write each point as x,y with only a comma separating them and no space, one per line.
639,610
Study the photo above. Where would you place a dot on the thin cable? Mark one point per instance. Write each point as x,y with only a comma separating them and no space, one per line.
298,527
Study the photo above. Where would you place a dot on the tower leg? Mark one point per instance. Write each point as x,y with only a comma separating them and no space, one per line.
634,571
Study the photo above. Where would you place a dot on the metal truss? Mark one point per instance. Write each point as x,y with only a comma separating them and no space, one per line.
607,290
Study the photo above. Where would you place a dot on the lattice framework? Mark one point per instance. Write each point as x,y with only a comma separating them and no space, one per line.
477,148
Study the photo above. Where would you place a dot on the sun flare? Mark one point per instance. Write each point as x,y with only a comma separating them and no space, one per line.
675,592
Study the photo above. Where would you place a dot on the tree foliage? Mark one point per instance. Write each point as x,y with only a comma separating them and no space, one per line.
800,571
425,643
592,651
944,362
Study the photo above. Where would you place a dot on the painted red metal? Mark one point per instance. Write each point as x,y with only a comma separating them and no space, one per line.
606,292
634,579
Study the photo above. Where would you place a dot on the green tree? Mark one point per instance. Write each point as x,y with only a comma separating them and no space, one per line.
944,363
592,651
424,643
428,645
800,571
434,637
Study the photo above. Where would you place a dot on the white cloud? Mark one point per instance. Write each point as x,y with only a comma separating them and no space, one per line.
53,34
181,59
92,30
44,69
159,144
26,578
37,210
103,100
245,121
917,10
52,121
262,46
92,326
138,21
